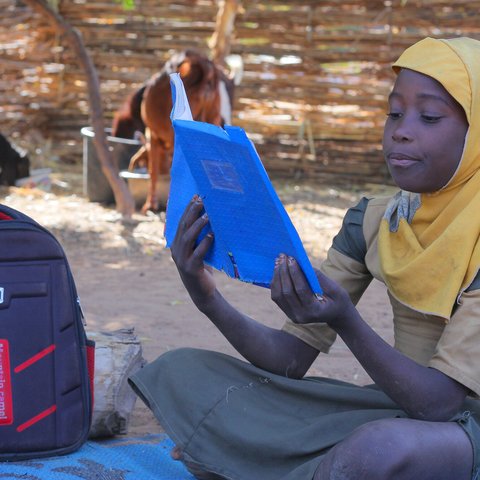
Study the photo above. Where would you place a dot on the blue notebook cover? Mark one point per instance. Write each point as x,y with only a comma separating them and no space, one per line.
250,224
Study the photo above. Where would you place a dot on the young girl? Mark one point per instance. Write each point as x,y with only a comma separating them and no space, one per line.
262,420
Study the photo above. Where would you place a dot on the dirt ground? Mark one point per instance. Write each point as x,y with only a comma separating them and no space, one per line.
126,278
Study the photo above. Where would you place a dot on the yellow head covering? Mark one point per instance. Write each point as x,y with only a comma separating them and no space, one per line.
432,255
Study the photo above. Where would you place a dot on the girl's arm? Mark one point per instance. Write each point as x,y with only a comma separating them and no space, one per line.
271,349
265,347
423,392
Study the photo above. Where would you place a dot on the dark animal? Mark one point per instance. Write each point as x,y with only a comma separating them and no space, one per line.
13,164
128,120
148,111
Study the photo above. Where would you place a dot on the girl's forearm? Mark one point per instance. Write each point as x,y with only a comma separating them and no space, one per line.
423,392
270,349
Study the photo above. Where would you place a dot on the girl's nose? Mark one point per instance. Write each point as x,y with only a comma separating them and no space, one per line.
402,133
401,137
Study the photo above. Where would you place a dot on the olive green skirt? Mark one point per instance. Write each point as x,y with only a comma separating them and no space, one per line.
244,423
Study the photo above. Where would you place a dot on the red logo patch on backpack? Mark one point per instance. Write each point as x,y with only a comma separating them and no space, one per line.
6,410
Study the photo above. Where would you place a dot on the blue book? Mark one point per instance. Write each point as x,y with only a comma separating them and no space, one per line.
250,224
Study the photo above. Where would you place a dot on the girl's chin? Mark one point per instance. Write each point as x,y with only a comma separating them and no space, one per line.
413,187
407,181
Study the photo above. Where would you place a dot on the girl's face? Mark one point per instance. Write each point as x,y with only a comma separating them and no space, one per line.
424,133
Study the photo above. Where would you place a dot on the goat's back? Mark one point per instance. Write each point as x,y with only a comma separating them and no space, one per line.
200,77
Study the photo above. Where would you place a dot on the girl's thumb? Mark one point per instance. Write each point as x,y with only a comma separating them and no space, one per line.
329,286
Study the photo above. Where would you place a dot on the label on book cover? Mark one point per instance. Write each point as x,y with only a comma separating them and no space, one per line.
6,408
222,175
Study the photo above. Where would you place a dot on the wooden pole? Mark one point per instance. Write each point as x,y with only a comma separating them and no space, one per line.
123,198
221,40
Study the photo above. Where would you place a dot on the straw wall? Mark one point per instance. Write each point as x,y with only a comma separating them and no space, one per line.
314,87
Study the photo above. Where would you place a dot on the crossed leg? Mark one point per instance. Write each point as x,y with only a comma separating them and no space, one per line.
393,449
400,449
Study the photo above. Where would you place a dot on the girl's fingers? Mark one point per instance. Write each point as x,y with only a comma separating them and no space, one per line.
276,285
288,288
182,224
298,279
276,288
184,243
195,228
189,218
282,290
203,247
329,286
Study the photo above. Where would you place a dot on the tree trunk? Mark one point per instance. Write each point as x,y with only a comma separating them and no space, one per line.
221,40
123,198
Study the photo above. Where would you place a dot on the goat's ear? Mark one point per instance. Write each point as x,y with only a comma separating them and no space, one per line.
235,65
185,68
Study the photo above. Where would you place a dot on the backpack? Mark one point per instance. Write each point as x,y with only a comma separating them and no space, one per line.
46,361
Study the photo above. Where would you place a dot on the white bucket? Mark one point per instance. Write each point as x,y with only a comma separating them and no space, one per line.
138,183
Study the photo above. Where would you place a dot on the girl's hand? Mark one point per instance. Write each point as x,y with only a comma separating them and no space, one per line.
292,293
188,255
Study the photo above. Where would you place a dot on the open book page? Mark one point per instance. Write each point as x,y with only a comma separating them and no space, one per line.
250,224
181,107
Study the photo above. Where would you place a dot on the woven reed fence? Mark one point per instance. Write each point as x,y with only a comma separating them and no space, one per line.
316,73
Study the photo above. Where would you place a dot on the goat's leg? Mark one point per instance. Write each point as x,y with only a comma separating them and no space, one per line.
155,153
140,156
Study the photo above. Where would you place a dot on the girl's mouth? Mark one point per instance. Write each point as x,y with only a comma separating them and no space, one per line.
396,159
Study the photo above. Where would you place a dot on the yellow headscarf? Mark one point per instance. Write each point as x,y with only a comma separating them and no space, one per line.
433,254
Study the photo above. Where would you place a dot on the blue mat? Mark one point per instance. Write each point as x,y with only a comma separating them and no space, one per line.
138,458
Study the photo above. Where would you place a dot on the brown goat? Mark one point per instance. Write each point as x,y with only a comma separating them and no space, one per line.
151,105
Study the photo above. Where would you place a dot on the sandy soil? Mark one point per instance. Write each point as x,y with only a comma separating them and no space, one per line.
126,278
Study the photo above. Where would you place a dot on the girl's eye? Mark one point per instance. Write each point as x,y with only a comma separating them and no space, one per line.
431,118
394,115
